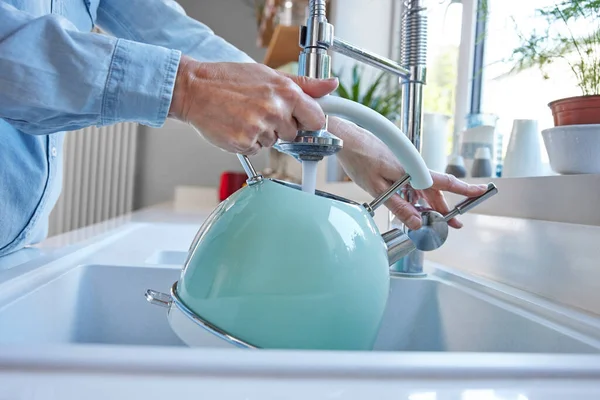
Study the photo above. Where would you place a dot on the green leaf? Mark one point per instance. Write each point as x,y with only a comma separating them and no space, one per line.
342,91
355,84
371,91
559,40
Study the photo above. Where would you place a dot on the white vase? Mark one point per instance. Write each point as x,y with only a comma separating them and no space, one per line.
523,155
434,141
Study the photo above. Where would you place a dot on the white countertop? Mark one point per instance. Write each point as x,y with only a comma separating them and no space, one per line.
96,371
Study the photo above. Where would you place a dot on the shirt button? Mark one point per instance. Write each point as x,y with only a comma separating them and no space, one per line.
53,151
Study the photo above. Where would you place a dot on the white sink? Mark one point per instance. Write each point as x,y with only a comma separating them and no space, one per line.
93,304
436,314
105,304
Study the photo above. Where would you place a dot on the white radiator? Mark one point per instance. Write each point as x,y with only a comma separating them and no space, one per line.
98,177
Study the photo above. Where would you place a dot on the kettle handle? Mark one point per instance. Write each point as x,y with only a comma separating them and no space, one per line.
253,176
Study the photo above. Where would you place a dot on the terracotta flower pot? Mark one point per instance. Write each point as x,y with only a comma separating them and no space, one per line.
578,110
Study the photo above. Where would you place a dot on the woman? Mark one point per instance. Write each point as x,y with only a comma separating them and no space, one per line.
57,75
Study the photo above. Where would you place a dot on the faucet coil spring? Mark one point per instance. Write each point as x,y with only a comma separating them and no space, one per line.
414,34
317,9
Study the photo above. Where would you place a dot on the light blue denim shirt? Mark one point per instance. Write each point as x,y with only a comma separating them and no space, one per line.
56,75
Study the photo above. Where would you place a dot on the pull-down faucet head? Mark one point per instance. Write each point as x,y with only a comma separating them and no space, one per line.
314,61
316,38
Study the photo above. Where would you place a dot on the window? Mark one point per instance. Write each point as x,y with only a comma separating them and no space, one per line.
524,94
444,39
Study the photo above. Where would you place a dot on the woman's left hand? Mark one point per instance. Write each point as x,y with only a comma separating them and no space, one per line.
372,166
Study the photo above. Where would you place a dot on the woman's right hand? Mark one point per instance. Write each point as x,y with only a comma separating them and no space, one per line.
241,107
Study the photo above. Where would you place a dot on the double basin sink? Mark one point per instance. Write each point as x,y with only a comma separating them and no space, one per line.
443,312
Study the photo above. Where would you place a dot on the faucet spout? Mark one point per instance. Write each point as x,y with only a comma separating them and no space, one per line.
369,58
316,38
414,58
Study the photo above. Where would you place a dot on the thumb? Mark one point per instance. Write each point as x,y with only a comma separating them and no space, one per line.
315,87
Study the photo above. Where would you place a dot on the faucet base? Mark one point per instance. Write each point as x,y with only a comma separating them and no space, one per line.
408,274
410,265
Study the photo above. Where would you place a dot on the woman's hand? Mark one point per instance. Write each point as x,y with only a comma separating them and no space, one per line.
241,107
372,165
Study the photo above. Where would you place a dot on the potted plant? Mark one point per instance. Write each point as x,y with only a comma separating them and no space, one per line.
386,102
571,34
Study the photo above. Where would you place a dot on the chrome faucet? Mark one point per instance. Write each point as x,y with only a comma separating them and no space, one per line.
432,234
316,38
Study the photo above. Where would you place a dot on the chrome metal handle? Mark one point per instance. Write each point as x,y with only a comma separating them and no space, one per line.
382,198
253,176
158,298
434,230
470,203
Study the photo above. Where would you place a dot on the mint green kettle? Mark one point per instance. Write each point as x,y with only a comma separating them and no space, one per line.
275,267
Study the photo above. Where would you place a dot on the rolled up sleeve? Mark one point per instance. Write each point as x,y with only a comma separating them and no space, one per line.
55,78
164,23
140,83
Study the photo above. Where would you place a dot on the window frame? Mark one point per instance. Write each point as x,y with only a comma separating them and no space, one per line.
478,57
464,81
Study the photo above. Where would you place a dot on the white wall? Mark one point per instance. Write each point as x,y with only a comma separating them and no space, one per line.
175,154
373,25
369,24
233,20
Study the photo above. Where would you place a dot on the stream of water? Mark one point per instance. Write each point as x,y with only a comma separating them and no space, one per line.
309,176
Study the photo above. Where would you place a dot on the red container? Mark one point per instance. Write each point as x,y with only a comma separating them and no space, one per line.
231,182
576,110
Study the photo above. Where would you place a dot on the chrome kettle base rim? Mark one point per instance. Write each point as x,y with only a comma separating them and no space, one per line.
177,305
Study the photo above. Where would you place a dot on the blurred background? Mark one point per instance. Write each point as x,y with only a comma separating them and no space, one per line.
115,170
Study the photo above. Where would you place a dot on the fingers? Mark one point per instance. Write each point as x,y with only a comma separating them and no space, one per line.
450,183
287,130
305,109
314,87
252,150
308,113
438,202
456,224
405,211
267,139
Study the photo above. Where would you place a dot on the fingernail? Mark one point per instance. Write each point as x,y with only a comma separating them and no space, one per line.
482,186
414,222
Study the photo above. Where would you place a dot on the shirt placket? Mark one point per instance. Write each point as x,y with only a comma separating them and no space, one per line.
51,156
56,7
52,153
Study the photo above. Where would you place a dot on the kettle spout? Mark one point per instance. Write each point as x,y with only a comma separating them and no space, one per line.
398,245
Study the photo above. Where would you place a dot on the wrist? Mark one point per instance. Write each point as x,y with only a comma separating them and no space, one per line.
352,135
178,108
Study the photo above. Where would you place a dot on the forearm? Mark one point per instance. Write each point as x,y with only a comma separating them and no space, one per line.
55,78
355,138
163,23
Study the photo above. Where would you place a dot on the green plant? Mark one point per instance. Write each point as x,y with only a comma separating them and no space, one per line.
386,101
572,34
